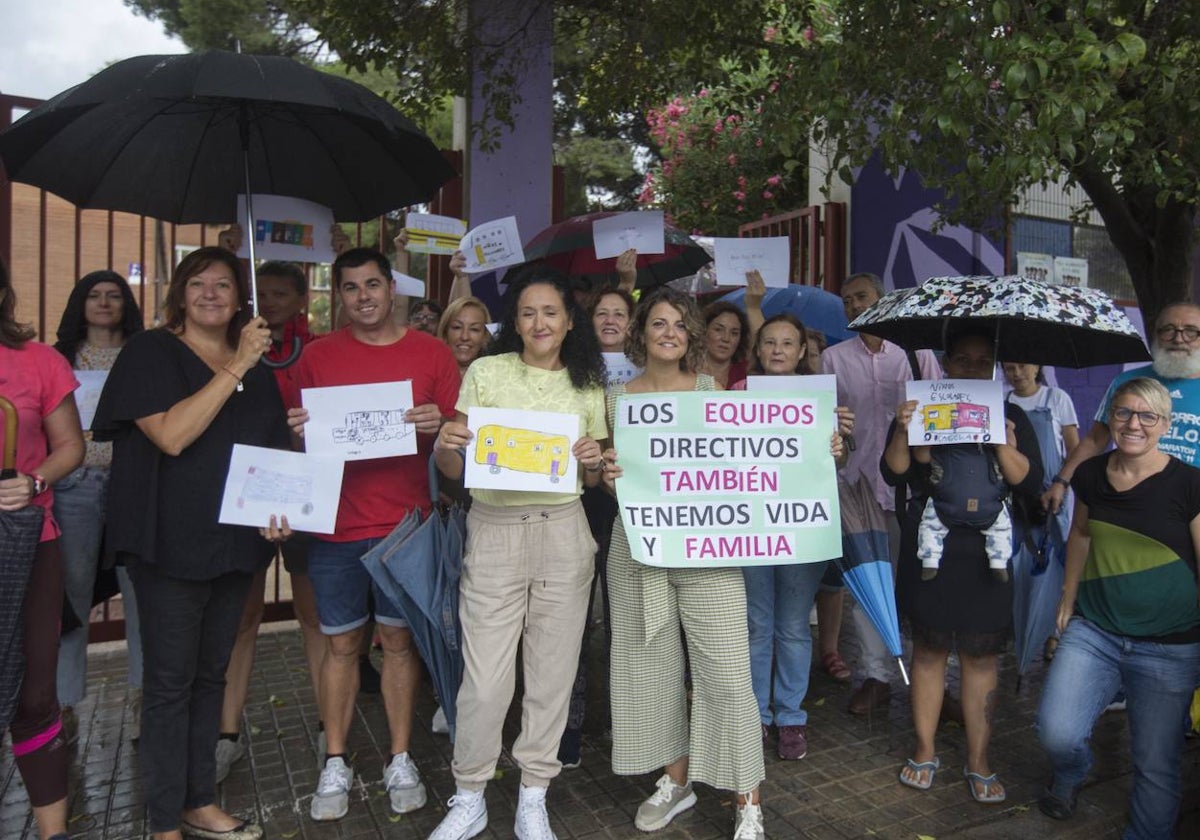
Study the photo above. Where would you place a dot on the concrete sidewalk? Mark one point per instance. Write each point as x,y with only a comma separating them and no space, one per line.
846,787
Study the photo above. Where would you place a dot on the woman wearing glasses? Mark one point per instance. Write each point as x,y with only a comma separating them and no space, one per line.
1129,614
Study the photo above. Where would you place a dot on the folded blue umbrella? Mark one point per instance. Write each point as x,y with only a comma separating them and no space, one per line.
816,308
1038,571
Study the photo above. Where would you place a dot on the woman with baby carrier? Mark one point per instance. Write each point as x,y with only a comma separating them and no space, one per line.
956,595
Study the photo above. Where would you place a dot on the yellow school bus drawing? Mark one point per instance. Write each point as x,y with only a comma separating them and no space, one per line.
523,450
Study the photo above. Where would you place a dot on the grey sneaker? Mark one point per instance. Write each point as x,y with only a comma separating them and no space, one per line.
749,823
332,799
440,725
403,784
228,754
466,818
532,821
667,802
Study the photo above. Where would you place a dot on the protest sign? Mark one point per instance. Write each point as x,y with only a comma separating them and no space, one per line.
287,228
956,411
432,234
728,478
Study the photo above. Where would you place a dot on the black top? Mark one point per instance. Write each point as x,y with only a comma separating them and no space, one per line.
964,597
163,509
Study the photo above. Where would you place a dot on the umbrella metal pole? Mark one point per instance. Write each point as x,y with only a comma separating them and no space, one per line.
903,672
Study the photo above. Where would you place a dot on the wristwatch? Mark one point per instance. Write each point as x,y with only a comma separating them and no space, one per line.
1058,479
40,485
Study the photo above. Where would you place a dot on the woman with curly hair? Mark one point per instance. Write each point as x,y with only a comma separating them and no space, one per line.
100,316
720,744
726,343
528,563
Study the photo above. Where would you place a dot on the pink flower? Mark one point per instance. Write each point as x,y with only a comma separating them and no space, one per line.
809,34
994,84
768,195
718,127
769,33
742,181
739,195
703,93
740,208
774,181
733,160
758,142
774,86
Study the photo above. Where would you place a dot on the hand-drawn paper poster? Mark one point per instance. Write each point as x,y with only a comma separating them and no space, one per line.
956,411
287,228
728,479
521,450
492,245
359,422
265,482
768,255
1071,271
620,369
644,230
406,285
1035,266
799,382
430,234
87,395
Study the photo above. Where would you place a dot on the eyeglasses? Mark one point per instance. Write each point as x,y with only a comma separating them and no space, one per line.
1147,418
1167,332
424,318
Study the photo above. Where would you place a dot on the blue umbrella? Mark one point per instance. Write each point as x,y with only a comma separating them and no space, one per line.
411,566
866,567
816,308
1038,572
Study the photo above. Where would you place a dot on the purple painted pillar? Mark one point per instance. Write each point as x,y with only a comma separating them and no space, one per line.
515,178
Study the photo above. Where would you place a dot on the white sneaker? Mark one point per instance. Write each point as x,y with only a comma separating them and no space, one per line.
440,725
228,753
332,799
667,802
466,818
403,784
532,821
749,824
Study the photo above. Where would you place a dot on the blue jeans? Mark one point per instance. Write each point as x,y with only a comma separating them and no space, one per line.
778,601
1088,668
79,501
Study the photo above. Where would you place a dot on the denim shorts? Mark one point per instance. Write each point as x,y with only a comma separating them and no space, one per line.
342,585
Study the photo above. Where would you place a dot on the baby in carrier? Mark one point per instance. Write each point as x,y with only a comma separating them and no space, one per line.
968,491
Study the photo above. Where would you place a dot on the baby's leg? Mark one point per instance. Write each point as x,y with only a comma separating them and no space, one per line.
931,540
998,543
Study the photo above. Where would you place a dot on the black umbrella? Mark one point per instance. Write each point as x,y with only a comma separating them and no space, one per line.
179,137
20,531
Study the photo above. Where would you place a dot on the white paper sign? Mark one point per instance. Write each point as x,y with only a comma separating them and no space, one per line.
1071,271
87,395
430,234
809,382
644,230
493,328
406,285
492,245
768,255
359,422
1035,266
265,482
521,450
287,228
620,369
956,411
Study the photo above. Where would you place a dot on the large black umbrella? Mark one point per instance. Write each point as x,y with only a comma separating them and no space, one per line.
180,137
20,531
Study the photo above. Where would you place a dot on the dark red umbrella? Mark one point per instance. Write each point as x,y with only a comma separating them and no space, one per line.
568,246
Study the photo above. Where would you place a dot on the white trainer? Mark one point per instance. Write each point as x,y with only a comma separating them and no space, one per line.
332,799
749,824
466,818
403,783
668,801
532,822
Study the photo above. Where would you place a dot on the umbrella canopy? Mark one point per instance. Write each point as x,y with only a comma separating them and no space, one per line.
20,531
865,564
568,246
1034,322
816,308
172,137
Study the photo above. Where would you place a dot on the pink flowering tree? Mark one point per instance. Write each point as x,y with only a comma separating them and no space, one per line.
716,170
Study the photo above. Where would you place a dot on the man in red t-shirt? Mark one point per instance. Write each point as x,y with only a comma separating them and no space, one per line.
376,495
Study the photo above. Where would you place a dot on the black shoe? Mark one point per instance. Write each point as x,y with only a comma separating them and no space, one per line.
368,677
568,749
1056,808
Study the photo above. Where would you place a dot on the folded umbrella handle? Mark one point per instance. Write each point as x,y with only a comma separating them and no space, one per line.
10,439
297,346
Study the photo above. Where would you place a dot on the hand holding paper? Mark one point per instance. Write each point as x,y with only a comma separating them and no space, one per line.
734,257
643,231
492,245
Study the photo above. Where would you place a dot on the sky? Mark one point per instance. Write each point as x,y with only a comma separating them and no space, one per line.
51,45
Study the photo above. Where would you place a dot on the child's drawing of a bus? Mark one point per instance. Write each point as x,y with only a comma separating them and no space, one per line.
371,426
952,417
523,450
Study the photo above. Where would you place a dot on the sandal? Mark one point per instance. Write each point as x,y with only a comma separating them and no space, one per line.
917,768
987,797
836,667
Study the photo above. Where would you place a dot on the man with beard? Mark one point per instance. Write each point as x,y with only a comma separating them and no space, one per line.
1176,353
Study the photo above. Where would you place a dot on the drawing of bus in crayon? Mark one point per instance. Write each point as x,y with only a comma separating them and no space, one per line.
373,425
523,450
954,417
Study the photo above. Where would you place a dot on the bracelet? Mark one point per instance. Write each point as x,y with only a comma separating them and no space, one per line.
40,485
234,375
1058,479
598,468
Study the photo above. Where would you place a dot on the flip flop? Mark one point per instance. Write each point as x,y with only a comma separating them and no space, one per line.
245,831
987,781
836,667
918,767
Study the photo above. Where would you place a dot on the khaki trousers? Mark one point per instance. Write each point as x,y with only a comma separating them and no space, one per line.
527,573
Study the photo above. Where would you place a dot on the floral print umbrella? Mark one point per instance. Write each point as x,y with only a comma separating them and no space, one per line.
1034,322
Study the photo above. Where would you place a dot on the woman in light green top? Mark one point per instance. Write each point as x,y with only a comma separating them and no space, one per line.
528,564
